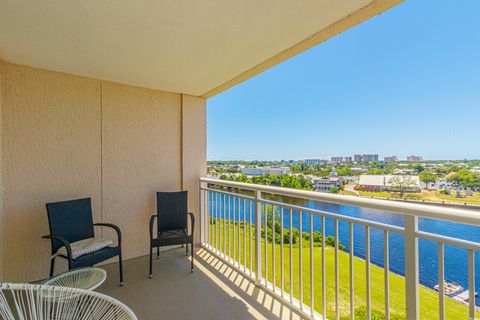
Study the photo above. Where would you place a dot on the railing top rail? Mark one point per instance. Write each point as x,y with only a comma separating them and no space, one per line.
413,209
229,193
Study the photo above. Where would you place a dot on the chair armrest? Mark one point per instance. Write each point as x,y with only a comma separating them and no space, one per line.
63,241
152,220
192,220
114,227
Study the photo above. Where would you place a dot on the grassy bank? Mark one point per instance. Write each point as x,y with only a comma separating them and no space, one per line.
428,297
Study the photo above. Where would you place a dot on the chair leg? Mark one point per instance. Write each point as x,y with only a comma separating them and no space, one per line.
186,249
52,266
158,253
151,254
193,254
120,265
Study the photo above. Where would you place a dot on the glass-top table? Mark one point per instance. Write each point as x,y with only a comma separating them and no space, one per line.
83,278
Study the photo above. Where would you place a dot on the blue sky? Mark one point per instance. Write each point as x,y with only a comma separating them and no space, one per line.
405,82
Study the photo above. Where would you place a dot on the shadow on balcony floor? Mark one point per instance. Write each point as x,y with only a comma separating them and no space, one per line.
213,291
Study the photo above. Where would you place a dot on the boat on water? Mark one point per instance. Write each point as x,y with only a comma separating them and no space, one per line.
450,288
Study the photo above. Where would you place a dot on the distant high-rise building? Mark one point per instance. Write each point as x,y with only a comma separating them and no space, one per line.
390,159
358,158
312,161
414,158
337,159
370,157
348,159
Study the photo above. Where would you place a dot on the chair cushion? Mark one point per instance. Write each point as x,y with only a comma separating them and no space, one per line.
85,246
172,234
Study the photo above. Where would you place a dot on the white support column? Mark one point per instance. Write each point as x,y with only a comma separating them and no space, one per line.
411,268
258,238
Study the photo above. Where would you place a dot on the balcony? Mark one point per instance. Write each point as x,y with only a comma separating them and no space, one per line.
108,101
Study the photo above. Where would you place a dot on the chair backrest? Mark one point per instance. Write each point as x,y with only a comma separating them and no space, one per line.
172,210
72,220
29,301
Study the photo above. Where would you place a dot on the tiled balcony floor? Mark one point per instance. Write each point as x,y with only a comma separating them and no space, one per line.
213,291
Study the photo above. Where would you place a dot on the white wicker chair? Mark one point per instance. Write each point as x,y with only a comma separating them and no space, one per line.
41,302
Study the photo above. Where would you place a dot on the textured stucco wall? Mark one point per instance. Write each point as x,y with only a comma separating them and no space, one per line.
194,136
67,137
51,129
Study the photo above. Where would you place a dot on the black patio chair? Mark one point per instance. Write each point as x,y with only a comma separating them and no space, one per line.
73,238
172,224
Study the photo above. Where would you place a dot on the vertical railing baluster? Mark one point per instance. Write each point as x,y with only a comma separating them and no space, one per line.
210,213
219,215
312,288
386,274
209,221
220,224
217,231
204,231
273,248
258,238
352,279
282,260
234,257
208,202
212,217
265,228
367,272
290,253
224,225
230,199
220,227
324,273
337,285
300,257
202,213
239,245
206,218
441,281
471,283
244,235
251,236
412,295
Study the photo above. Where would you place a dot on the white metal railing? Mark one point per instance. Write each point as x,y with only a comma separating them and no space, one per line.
232,223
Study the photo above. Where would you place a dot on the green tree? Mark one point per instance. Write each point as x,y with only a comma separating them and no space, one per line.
345,171
427,177
465,178
334,190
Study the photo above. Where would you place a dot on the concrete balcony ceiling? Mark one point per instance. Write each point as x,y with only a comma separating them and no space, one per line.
194,47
